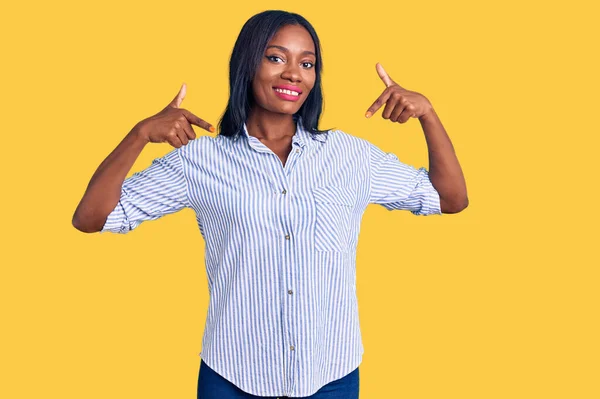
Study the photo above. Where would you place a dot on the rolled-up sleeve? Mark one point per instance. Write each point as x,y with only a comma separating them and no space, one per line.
156,191
398,186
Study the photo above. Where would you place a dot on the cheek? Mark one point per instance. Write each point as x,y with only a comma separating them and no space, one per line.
258,91
261,84
310,80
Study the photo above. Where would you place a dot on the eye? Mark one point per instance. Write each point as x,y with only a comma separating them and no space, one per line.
309,63
270,57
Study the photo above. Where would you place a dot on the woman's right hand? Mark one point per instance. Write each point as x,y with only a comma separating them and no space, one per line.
172,124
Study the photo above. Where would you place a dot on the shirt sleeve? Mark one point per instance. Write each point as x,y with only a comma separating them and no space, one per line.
150,194
395,185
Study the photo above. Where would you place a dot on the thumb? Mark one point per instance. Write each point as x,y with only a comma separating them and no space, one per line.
383,75
179,97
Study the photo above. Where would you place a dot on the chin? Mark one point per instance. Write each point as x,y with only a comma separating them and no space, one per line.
292,108
285,110
278,107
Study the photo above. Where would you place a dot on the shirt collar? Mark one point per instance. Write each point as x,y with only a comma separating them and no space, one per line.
302,137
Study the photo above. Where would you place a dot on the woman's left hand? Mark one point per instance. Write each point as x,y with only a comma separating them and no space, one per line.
400,104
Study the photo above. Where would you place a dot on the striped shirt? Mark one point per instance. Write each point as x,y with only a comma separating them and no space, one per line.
280,246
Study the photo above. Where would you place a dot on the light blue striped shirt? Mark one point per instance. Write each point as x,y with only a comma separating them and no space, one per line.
280,247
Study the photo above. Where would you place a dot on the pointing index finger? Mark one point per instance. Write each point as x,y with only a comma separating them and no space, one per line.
381,100
193,119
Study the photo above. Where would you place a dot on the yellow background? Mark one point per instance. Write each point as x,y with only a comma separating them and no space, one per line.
499,301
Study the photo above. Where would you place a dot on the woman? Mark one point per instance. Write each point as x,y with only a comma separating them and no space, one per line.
279,204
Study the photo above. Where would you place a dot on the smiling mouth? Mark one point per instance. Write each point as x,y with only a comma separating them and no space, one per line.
288,92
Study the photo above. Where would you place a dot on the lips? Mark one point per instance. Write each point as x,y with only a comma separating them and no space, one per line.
290,88
285,96
285,92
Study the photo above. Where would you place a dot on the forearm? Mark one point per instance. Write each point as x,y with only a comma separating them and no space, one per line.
104,189
445,172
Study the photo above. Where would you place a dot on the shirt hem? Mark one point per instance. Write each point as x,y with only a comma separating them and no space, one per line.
354,366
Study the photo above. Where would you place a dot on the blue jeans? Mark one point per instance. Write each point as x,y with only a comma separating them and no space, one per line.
213,386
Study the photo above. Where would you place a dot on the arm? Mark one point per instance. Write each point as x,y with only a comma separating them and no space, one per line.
114,204
445,172
104,189
399,186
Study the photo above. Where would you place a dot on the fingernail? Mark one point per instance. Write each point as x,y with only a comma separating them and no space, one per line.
212,129
368,114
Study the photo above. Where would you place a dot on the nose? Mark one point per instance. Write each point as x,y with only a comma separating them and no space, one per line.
292,73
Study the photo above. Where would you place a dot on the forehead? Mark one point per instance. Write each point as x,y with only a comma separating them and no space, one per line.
295,37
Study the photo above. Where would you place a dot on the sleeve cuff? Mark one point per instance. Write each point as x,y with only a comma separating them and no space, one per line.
431,198
116,221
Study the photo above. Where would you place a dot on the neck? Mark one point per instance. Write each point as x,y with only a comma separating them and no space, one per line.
266,125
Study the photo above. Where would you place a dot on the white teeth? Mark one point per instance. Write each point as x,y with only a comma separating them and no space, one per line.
292,93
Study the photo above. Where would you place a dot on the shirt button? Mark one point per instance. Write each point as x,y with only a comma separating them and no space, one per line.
297,151
290,292
284,192
292,347
287,237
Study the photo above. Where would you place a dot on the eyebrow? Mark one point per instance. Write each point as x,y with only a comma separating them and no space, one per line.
285,50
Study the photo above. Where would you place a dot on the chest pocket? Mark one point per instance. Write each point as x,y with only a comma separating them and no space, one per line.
334,208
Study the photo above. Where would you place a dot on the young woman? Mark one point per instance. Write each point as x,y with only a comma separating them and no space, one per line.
279,203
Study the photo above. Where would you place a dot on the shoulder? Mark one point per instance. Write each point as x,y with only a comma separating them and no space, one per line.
198,146
359,147
346,139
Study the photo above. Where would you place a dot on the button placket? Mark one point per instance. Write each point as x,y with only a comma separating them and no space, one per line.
288,276
288,267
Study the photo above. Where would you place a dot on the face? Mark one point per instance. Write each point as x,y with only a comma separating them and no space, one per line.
286,74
